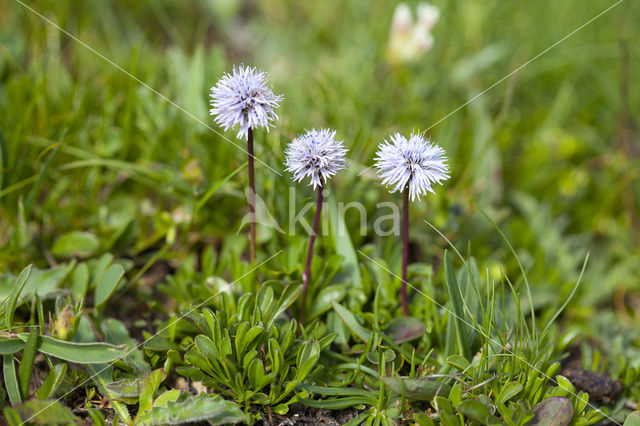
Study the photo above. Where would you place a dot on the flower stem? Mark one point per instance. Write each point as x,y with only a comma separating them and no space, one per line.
252,198
307,271
405,249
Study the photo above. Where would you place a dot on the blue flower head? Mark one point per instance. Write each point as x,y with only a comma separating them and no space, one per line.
415,162
317,155
244,98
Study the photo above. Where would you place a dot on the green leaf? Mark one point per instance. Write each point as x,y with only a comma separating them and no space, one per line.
52,382
164,399
214,187
3,158
351,322
80,353
76,243
422,419
375,358
125,388
509,390
247,338
40,311
45,412
404,329
458,362
458,304
11,380
159,343
195,408
322,302
26,362
475,410
116,333
10,346
42,171
565,385
150,384
338,403
422,388
107,285
306,359
15,293
80,282
555,411
97,417
331,391
343,245
633,419
289,295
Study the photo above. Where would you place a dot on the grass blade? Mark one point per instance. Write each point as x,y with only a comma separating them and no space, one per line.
3,158
534,330
567,300
456,300
15,293
41,173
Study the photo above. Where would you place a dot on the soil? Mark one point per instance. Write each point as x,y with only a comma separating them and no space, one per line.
300,414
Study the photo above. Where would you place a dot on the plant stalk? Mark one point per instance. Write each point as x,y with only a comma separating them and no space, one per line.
405,249
307,272
252,198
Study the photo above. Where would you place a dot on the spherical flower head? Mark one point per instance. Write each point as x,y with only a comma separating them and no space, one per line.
316,155
415,162
244,98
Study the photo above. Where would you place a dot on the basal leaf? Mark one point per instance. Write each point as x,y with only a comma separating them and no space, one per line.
195,408
10,346
351,322
509,390
51,383
404,329
80,353
11,379
422,388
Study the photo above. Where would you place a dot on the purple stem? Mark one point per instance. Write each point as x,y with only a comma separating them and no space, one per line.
307,272
405,249
252,198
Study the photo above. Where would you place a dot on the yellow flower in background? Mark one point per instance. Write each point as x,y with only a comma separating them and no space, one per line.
409,39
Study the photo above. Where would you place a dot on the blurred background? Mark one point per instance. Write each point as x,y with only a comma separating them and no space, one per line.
551,154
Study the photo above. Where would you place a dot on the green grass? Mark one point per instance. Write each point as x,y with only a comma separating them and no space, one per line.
99,174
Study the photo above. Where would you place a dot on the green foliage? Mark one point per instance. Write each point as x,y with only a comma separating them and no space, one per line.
40,412
127,210
171,406
242,352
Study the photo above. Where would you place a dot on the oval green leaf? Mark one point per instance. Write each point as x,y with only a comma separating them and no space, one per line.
107,284
75,243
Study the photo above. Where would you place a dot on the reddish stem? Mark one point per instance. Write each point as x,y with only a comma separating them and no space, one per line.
252,198
405,249
307,272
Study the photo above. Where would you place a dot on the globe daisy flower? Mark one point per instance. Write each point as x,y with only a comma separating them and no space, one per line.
411,166
245,99
315,155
